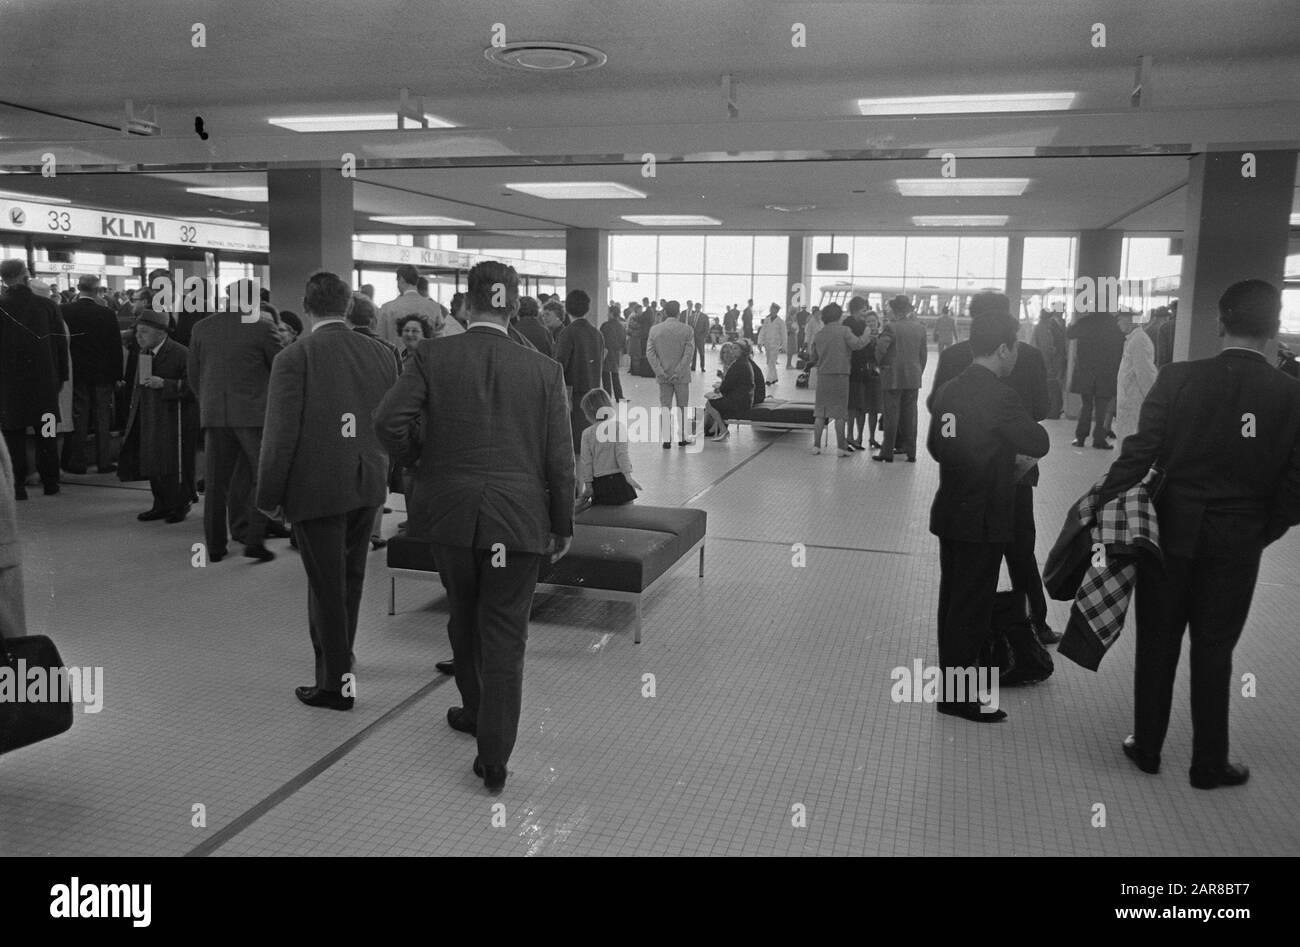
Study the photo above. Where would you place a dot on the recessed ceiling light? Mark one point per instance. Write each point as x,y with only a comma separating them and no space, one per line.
351,123
790,208
961,220
946,104
254,195
18,196
962,187
671,220
579,190
424,221
546,56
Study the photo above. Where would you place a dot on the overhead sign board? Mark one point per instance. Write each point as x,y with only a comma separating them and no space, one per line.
62,220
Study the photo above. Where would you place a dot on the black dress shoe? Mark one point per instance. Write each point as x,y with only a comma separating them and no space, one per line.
377,543
276,531
51,489
1147,762
445,667
461,721
668,445
1102,446
971,712
1045,634
259,552
683,443
177,516
216,556
911,459
494,777
148,515
882,457
319,697
1229,774
1079,442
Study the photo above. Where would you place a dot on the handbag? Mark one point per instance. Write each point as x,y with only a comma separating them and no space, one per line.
23,723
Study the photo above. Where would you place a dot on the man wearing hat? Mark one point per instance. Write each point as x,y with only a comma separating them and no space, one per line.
901,351
33,366
162,426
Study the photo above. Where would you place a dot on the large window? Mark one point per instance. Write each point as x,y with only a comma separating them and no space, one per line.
1047,274
715,269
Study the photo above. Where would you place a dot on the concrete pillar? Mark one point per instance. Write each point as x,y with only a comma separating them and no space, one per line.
1238,225
797,274
586,262
115,283
310,218
1014,280
1098,257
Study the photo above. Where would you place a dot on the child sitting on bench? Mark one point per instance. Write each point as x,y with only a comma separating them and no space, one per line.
604,466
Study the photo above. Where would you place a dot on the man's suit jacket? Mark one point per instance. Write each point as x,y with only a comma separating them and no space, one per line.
988,427
1028,380
496,454
669,350
370,333
185,323
1096,358
532,329
315,461
230,369
580,351
1191,426
901,351
95,343
30,343
614,332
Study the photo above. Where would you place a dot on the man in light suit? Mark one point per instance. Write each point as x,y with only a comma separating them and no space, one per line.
901,351
230,368
324,469
670,349
977,427
494,494
1226,431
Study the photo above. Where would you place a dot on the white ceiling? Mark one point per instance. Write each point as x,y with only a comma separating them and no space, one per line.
1224,74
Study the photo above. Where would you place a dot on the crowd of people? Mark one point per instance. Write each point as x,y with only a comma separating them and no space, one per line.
307,423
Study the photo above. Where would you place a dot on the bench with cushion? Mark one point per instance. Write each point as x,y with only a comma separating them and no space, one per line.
774,413
619,553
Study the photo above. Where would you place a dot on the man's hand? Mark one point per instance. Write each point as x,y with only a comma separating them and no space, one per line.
559,546
153,381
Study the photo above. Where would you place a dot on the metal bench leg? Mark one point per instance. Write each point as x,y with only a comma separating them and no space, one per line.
392,595
701,561
636,639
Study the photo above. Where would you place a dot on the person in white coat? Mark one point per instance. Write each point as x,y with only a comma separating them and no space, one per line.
1137,373
772,338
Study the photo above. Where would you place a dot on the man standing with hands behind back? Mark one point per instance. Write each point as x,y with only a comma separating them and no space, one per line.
323,468
670,350
494,494
901,351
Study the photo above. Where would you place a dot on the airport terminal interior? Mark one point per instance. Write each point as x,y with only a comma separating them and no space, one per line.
733,153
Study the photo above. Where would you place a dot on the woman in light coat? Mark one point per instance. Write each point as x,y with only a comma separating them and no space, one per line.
1137,373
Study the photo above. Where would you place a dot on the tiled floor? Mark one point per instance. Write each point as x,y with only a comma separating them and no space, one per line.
772,697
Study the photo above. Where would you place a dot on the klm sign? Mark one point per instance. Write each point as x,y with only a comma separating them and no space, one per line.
117,227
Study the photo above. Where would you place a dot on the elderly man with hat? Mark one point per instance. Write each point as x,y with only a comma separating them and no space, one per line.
163,424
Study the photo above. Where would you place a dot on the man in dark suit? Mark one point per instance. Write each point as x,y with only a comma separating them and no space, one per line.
1028,379
530,327
1096,367
322,466
1226,432
901,351
495,499
33,364
978,431
580,350
96,349
230,360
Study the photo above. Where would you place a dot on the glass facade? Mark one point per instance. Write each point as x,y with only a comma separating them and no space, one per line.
714,269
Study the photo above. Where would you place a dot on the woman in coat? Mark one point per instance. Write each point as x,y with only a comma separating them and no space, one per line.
830,352
733,395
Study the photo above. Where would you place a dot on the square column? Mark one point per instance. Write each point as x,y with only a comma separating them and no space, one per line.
796,271
311,229
1237,228
1013,282
586,267
1099,257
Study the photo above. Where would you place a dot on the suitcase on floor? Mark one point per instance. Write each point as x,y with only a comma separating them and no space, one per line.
23,723
1013,647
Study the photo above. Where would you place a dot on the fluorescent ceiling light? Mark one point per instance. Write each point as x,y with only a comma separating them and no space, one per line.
19,196
351,123
578,190
672,220
961,220
947,104
254,195
424,221
962,187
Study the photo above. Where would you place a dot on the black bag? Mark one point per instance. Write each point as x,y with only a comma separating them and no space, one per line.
22,724
1013,647
802,380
